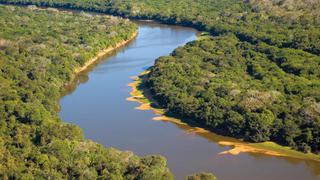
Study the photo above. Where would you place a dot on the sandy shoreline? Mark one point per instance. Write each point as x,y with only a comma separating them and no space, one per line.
236,146
105,52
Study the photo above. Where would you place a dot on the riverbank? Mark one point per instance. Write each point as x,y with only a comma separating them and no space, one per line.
141,95
40,51
105,52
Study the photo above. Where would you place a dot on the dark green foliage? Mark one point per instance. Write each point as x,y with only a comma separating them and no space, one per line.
256,92
39,50
201,176
259,80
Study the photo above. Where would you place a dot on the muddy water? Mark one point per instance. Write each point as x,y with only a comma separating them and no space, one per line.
97,103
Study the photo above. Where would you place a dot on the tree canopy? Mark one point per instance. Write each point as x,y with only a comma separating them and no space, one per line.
257,79
253,91
39,51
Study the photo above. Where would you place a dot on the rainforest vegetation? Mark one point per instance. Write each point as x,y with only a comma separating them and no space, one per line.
281,23
39,51
256,92
257,79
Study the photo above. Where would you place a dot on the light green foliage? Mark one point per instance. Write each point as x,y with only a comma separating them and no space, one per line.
259,79
282,24
39,51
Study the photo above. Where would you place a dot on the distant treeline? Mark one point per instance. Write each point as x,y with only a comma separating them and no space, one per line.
39,51
248,20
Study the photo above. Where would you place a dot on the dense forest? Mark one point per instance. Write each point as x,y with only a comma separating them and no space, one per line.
257,79
39,50
286,23
256,92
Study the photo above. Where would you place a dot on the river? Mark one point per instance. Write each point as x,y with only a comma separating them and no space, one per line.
97,103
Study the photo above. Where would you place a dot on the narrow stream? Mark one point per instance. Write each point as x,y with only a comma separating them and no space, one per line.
97,103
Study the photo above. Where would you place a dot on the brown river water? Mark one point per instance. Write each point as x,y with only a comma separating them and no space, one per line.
97,103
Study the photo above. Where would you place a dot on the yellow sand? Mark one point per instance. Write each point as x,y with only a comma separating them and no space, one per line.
101,53
246,148
104,52
144,107
237,146
168,119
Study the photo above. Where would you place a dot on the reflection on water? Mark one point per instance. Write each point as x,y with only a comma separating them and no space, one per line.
99,107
